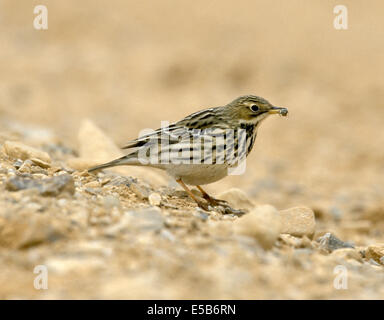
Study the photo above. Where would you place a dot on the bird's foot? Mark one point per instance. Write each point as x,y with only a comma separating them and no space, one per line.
221,206
216,202
203,205
229,210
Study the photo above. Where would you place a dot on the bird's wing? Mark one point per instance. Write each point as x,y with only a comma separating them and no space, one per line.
207,118
159,134
196,121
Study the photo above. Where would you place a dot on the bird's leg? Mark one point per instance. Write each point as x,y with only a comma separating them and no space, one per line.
201,204
211,200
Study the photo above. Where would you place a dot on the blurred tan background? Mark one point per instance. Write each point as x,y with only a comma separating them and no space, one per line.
127,65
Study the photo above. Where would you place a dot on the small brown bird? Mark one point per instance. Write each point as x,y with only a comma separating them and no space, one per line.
203,147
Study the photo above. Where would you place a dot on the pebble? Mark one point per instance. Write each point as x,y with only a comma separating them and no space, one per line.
140,191
291,240
375,252
25,231
154,199
111,201
199,213
236,198
347,253
18,163
92,184
148,219
25,167
46,187
21,151
298,221
329,243
262,223
96,147
41,163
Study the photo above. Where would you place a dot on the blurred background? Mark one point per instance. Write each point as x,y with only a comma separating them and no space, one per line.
128,65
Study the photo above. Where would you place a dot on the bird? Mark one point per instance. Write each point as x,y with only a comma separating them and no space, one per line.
203,147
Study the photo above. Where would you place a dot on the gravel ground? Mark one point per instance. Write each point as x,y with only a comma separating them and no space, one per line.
314,194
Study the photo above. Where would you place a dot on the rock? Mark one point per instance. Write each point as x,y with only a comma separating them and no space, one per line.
96,148
18,163
298,221
261,223
58,184
139,190
67,264
291,240
81,164
375,252
92,184
95,144
329,243
18,183
21,151
154,199
26,167
200,214
46,187
149,219
25,231
236,198
347,253
41,163
111,202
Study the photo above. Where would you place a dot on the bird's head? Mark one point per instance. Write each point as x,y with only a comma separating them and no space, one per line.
253,109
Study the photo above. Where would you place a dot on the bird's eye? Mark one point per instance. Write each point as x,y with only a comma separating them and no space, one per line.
254,108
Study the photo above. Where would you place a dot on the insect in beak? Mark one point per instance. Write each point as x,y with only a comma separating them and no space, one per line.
278,110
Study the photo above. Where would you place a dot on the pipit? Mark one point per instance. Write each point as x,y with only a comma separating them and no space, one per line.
203,147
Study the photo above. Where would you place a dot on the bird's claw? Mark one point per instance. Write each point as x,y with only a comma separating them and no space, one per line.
222,206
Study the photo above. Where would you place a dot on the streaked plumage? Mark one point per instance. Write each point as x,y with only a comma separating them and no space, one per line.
195,147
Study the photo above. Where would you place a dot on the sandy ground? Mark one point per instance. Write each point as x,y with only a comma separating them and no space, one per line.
105,72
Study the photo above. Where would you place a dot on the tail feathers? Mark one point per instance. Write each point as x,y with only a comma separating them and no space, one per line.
114,163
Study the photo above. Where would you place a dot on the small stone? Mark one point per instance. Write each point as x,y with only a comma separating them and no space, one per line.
291,240
46,187
329,243
79,263
62,202
166,234
18,163
81,164
92,184
23,232
21,151
140,191
41,163
148,219
347,253
261,223
236,198
59,184
298,221
375,252
154,199
26,166
111,202
202,215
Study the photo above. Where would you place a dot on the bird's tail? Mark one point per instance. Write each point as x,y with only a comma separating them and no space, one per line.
118,162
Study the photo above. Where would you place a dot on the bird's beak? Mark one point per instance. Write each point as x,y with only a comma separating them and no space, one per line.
278,110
